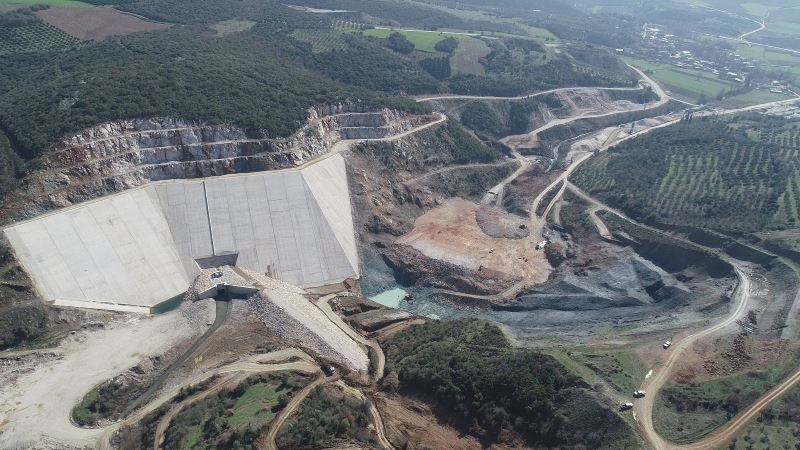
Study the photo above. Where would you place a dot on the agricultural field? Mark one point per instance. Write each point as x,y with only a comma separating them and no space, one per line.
322,40
758,9
33,37
706,173
526,31
96,23
754,97
768,56
467,57
423,40
10,5
782,27
232,26
689,84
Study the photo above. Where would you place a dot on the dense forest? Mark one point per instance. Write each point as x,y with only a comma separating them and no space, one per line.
258,79
715,173
487,387
248,79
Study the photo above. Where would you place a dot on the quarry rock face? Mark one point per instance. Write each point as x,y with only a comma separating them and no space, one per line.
119,155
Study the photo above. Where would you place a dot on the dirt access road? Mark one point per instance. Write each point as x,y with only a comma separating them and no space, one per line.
519,97
285,360
643,408
380,363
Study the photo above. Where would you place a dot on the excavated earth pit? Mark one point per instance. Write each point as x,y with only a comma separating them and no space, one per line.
466,247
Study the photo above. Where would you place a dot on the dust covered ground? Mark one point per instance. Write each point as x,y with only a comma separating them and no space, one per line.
37,401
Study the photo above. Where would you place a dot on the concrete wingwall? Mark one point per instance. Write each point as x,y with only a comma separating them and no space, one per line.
137,248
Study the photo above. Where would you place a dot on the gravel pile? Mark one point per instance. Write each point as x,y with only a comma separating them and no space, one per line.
287,312
199,313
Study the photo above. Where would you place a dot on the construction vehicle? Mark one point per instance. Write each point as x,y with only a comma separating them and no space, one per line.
638,394
625,406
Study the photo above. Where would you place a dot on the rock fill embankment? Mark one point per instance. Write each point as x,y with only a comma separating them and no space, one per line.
115,156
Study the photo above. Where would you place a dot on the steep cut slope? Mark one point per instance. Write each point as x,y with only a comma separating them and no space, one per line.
115,156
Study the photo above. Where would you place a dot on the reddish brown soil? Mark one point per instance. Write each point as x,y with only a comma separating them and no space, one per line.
96,23
451,233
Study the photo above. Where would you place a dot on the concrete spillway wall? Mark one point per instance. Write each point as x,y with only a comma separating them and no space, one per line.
132,250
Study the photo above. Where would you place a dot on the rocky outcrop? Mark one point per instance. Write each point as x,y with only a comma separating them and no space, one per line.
119,155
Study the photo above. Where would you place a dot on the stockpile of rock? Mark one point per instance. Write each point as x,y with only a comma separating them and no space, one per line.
289,314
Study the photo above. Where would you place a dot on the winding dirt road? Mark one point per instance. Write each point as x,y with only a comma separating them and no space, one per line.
643,408
278,361
380,364
519,97
267,441
377,420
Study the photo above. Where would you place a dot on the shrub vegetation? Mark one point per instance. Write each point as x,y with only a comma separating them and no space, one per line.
487,387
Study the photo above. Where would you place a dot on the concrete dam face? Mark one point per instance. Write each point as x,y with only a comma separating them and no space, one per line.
133,250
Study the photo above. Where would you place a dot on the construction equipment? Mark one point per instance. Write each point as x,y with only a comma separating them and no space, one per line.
638,394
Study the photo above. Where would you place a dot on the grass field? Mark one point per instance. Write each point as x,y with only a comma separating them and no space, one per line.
255,405
758,9
530,32
232,26
690,84
754,97
466,58
232,415
790,28
6,5
619,367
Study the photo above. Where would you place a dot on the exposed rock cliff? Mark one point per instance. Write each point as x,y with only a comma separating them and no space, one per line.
119,155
